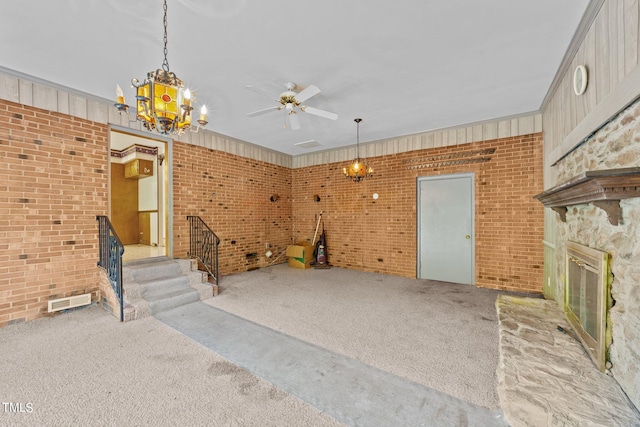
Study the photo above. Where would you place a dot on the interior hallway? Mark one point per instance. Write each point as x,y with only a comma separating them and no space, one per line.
135,252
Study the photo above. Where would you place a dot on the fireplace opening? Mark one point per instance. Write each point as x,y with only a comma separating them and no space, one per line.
586,298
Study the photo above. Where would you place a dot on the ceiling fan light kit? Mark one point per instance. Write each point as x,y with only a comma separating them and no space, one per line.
359,169
291,102
162,102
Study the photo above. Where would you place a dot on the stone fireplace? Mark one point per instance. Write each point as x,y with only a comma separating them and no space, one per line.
609,225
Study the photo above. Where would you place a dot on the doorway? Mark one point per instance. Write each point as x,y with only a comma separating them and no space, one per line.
446,228
138,194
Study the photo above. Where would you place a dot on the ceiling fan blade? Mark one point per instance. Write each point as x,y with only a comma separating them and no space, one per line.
265,110
321,113
293,121
307,93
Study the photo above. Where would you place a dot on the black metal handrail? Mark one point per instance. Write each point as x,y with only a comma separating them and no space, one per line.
203,245
111,250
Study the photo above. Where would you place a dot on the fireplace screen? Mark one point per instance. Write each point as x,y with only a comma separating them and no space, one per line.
586,298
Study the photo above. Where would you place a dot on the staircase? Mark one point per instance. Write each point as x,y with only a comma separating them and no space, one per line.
159,284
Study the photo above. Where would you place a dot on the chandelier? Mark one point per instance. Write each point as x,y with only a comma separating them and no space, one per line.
359,169
162,102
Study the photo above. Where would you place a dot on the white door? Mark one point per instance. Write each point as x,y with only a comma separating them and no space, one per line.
445,228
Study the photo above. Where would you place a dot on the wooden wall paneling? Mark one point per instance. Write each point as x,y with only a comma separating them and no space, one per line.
601,77
525,125
590,97
504,128
445,138
462,135
25,93
580,100
144,224
124,205
115,117
619,98
437,139
9,88
63,102
619,25
561,120
78,106
514,127
551,122
637,30
477,133
45,97
97,111
567,107
612,31
630,14
574,105
430,141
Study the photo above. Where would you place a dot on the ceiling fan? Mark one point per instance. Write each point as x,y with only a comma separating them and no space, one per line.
291,102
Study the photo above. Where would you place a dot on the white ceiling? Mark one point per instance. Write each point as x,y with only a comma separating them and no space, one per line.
403,66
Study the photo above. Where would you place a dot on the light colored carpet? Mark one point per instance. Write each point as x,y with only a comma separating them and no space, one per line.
441,335
84,368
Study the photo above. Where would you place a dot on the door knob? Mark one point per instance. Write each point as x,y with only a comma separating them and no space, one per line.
467,237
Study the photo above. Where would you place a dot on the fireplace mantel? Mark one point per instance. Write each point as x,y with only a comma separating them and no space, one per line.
603,188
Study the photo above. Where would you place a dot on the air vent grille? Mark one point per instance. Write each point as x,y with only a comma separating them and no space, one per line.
69,302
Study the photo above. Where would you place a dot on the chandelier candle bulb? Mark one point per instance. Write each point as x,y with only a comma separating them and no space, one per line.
119,94
187,98
203,113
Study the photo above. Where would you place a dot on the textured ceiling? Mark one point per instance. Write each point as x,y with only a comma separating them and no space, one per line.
404,66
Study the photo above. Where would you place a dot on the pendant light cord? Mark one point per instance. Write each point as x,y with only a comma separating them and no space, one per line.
358,138
165,63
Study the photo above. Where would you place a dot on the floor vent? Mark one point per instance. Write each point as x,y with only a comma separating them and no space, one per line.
69,302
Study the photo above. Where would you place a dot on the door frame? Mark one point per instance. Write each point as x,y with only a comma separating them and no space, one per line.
167,185
420,179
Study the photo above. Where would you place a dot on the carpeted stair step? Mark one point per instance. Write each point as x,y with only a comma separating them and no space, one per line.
172,299
167,293
152,287
155,270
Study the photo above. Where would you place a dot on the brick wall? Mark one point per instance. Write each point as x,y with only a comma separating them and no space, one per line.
380,235
53,183
232,195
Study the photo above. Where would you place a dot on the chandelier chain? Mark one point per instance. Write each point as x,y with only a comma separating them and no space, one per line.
358,139
165,63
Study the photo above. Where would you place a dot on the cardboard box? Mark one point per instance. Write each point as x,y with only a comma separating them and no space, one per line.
300,255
